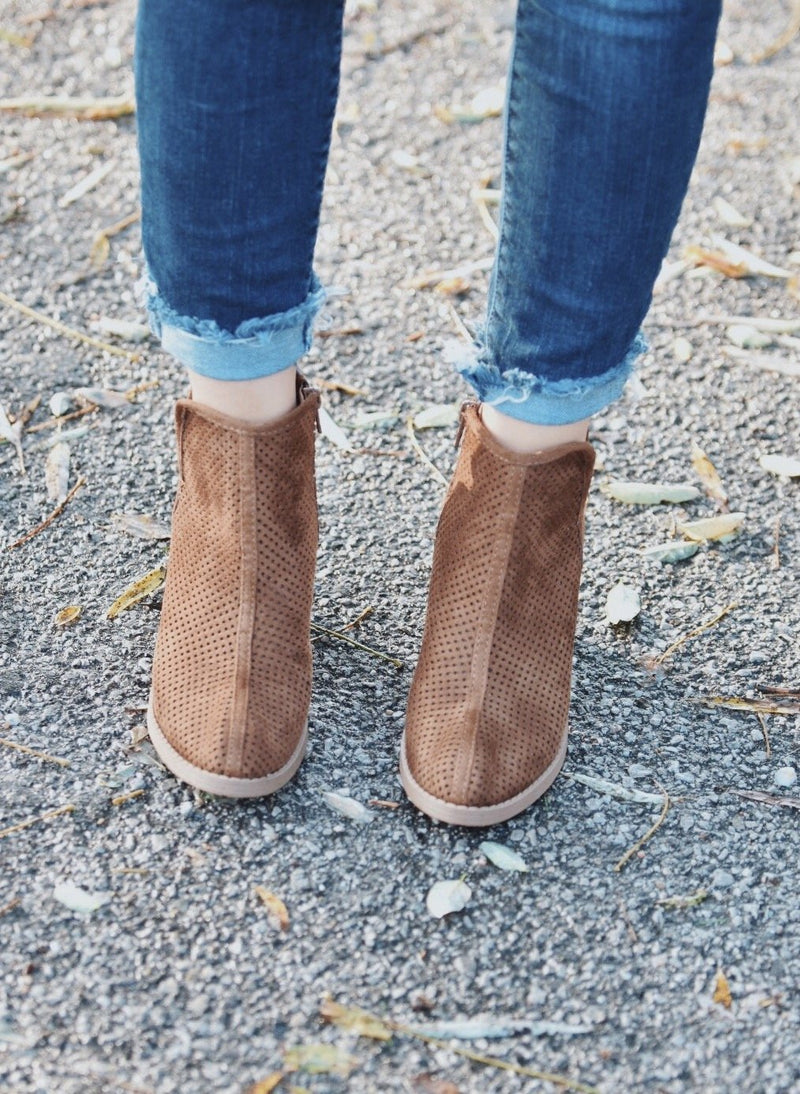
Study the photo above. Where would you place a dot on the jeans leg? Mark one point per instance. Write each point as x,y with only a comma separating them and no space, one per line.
235,102
605,109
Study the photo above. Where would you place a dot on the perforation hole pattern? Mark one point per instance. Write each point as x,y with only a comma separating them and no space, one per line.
488,706
244,525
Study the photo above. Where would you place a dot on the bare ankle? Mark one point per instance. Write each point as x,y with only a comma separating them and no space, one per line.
254,401
522,436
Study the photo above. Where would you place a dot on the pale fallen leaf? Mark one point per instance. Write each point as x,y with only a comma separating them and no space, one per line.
437,416
319,1059
13,434
716,260
56,472
622,604
98,396
747,337
504,858
123,328
753,263
730,215
335,434
614,790
141,526
682,350
375,419
138,591
676,550
348,807
67,616
453,286
781,465
274,905
355,1020
491,1028
722,991
79,900
710,528
757,706
87,183
647,493
708,475
445,897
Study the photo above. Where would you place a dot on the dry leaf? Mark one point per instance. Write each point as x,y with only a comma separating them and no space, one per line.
79,900
68,616
56,472
87,183
266,1086
274,906
98,396
722,991
622,604
123,328
141,526
348,807
729,215
708,475
437,416
138,591
335,434
646,493
690,901
445,897
716,261
604,786
781,465
453,286
754,264
503,857
711,528
355,1020
756,706
747,337
319,1059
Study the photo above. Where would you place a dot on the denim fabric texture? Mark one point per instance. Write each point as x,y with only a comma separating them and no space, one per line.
605,107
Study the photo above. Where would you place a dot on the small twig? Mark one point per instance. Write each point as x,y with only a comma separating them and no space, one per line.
762,721
122,798
13,903
648,834
137,389
33,752
358,645
783,40
380,803
338,385
68,332
422,454
359,618
693,634
35,820
71,416
59,509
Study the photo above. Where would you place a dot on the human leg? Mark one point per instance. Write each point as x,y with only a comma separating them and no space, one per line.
605,108
235,104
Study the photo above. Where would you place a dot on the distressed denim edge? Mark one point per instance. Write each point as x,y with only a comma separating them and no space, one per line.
535,399
258,347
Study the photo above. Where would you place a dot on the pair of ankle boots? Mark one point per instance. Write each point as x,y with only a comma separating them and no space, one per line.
486,725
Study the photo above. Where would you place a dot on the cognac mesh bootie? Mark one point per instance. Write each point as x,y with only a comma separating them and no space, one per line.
486,726
232,668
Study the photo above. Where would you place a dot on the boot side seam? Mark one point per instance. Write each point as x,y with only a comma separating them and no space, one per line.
243,660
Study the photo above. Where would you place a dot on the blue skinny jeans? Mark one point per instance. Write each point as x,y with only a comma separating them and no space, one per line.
606,100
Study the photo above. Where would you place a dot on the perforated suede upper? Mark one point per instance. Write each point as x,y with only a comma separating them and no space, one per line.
488,706
232,667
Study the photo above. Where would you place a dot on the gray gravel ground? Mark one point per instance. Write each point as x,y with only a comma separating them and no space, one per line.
181,982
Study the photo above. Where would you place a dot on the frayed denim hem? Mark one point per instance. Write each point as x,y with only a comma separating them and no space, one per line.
258,347
532,398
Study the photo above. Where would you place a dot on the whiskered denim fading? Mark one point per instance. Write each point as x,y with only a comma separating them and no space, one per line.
605,107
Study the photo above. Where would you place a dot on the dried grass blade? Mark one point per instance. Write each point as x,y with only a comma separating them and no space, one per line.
62,328
662,657
648,834
35,820
59,509
66,106
420,451
33,752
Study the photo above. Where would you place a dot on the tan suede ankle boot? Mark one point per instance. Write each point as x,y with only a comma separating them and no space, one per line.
486,726
232,670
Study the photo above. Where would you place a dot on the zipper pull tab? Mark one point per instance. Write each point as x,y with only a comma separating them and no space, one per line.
462,421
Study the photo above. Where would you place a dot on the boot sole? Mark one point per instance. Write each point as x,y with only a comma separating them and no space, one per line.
478,816
224,786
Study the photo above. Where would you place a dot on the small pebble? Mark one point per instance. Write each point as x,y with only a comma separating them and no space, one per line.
639,771
785,776
60,402
722,879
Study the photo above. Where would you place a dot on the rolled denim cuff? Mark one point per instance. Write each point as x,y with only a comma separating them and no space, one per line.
258,347
540,401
